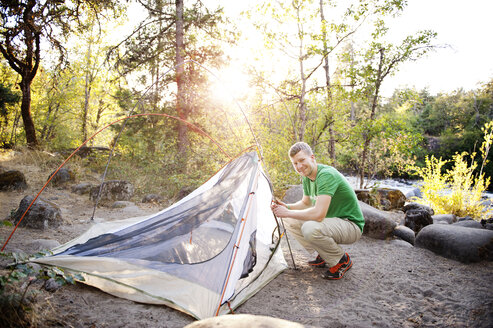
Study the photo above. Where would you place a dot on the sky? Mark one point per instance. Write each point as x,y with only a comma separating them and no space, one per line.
467,27
465,30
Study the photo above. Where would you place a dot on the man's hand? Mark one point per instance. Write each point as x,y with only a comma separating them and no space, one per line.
280,209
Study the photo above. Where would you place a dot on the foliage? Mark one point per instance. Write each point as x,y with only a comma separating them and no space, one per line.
8,98
466,187
393,145
24,24
19,304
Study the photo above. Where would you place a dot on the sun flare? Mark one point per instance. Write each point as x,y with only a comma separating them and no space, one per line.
230,84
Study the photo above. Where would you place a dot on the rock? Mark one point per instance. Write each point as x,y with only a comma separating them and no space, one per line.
122,204
82,188
43,244
243,321
42,214
469,224
34,266
52,285
444,218
405,234
111,191
414,206
378,224
458,243
415,192
182,193
12,180
293,194
394,197
61,177
487,223
383,198
400,243
152,198
416,219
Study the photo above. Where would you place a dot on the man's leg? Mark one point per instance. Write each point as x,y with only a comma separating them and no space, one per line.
294,228
325,237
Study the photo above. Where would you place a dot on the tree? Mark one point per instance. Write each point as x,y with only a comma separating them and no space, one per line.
24,24
7,98
377,62
169,37
180,87
290,28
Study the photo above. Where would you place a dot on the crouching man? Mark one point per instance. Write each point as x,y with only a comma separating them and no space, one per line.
326,216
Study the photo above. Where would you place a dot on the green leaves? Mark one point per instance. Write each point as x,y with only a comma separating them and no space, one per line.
458,190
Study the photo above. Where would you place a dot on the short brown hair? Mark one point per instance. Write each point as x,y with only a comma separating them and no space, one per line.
300,146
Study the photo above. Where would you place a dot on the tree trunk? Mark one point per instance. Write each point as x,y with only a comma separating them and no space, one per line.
329,116
46,122
302,104
87,92
50,126
85,113
14,128
180,97
27,119
368,133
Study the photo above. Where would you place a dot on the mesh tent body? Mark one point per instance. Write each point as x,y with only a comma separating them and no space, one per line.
204,255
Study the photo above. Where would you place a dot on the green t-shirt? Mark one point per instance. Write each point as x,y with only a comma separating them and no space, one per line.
344,203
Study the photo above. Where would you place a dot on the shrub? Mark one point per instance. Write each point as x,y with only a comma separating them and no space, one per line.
459,190
19,304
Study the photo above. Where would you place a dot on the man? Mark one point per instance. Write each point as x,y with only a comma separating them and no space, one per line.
326,216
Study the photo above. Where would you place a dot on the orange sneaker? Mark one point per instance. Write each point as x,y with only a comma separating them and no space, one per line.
319,262
338,270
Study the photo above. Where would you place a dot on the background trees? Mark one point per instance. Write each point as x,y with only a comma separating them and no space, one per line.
317,77
25,23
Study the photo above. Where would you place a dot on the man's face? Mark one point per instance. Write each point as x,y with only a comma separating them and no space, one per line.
304,164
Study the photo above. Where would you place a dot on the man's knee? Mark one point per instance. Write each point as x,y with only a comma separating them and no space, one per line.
310,230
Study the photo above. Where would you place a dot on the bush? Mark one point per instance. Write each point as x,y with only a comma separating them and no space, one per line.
459,190
19,305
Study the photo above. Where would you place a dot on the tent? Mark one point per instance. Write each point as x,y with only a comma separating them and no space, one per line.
204,255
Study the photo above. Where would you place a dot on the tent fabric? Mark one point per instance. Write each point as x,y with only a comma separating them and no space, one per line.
205,254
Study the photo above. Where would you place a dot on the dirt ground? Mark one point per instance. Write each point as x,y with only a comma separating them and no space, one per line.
391,284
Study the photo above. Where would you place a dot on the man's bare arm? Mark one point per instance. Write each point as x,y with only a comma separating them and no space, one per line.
302,211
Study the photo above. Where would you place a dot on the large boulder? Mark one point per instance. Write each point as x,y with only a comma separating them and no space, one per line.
152,198
458,243
293,194
414,192
42,214
469,224
62,177
405,234
444,218
82,188
111,191
384,198
417,219
379,224
12,180
487,223
414,206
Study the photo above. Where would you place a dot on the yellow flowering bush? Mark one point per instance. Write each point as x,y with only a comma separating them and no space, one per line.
457,191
